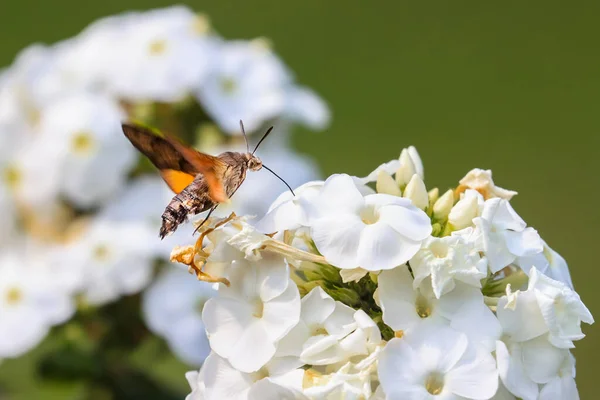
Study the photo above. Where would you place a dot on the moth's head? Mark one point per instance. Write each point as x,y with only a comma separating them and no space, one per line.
254,163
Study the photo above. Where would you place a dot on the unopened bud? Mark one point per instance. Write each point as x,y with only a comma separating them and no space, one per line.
433,195
467,208
443,205
406,170
387,185
417,192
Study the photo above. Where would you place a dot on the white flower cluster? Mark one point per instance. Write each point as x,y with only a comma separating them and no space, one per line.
345,292
78,217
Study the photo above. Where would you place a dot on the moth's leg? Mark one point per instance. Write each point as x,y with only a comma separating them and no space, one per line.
213,208
203,276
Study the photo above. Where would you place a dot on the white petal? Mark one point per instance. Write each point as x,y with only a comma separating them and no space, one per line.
560,389
525,243
381,248
225,321
282,313
410,222
541,360
338,238
512,373
525,322
253,348
316,306
223,381
475,376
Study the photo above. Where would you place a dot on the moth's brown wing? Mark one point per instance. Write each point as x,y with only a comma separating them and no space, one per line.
211,167
178,164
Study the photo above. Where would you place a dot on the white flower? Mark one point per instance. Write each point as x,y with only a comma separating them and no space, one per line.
504,234
548,262
562,309
445,260
481,180
305,106
172,308
84,133
350,381
248,82
524,355
31,302
287,211
436,363
275,381
162,55
196,381
246,320
405,310
330,332
562,386
113,258
466,209
375,232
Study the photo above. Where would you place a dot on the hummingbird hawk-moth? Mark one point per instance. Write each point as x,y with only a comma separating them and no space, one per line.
200,181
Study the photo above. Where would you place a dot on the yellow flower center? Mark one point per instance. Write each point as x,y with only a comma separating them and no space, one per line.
157,47
259,308
369,215
439,249
422,306
12,177
14,295
434,383
228,85
82,142
319,330
101,253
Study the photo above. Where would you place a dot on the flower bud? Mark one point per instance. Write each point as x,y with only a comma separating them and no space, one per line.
406,170
416,192
443,205
386,184
467,208
433,195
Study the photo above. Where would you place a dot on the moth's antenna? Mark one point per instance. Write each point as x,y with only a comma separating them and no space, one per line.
261,140
245,137
280,178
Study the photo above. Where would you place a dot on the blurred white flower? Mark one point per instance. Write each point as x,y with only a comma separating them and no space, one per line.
274,381
112,258
142,202
304,106
248,82
562,309
84,133
246,320
162,55
481,180
445,260
31,301
437,362
504,234
374,232
172,308
31,177
466,209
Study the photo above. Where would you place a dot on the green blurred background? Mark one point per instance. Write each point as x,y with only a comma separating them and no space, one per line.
513,86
